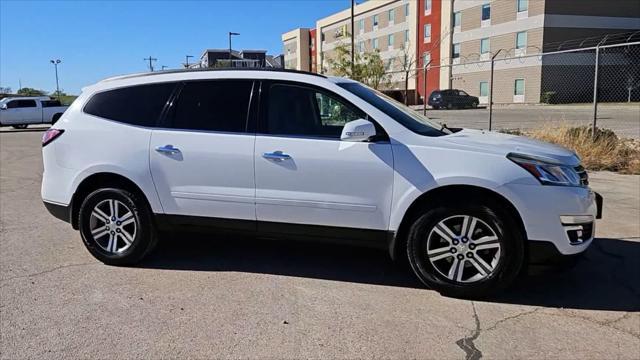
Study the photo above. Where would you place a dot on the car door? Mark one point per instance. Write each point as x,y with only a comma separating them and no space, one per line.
18,111
201,156
306,175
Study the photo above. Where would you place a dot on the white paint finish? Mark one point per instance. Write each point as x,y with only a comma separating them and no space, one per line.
326,182
529,23
592,22
28,115
211,176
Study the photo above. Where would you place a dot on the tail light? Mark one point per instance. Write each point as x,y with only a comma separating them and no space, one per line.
50,135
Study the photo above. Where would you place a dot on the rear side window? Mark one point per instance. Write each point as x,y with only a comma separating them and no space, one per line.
217,105
50,103
136,105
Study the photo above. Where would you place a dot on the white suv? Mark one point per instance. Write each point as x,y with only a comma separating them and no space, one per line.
304,156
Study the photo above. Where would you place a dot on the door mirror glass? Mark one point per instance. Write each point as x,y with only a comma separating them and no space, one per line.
358,130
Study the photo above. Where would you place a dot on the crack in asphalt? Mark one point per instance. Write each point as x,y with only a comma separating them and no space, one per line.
44,272
524,313
466,343
608,323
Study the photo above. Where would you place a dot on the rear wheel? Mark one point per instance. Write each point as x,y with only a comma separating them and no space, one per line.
116,226
21,126
465,251
474,105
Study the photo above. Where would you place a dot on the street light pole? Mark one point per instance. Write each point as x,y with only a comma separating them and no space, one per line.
187,60
55,64
231,34
353,34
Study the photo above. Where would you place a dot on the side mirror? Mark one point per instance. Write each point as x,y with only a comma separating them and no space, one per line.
358,130
3,107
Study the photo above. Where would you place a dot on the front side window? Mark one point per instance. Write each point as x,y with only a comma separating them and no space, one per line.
521,40
136,105
485,46
484,88
523,5
486,12
404,115
218,105
17,104
301,111
518,87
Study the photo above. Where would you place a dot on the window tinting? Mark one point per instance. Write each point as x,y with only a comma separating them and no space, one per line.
136,105
21,104
50,103
220,105
302,111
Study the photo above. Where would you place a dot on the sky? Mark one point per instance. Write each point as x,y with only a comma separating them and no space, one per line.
99,39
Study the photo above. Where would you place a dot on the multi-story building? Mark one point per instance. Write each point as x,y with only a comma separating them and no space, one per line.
459,37
521,27
242,59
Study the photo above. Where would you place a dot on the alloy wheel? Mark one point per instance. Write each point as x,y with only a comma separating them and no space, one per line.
113,226
463,249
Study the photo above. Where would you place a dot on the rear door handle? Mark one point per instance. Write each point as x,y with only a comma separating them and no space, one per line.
168,149
276,156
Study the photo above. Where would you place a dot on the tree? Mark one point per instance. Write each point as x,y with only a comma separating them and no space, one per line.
31,92
5,90
367,68
407,62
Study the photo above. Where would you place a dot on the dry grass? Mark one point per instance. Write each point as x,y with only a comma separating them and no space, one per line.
605,152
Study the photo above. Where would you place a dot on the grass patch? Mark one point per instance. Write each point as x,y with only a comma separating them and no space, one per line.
605,151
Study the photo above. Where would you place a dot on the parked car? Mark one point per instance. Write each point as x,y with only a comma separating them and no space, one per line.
303,156
20,112
452,99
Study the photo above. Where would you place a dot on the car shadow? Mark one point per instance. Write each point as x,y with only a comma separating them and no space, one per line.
606,278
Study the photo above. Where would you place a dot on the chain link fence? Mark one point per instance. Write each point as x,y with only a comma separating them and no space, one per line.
525,88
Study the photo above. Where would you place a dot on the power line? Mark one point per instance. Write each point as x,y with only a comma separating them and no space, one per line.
150,59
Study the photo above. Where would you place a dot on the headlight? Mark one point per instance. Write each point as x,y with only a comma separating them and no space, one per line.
547,173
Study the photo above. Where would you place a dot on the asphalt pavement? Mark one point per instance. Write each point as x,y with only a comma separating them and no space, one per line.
226,297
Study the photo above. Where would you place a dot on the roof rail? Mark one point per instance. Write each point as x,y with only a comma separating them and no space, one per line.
179,71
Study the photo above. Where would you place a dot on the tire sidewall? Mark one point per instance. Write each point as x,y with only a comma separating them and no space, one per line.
144,228
511,251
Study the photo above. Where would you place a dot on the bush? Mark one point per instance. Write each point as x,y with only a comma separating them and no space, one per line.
605,151
548,97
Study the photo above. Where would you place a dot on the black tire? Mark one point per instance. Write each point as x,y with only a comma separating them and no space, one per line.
55,118
20,127
436,107
474,105
145,236
509,263
449,106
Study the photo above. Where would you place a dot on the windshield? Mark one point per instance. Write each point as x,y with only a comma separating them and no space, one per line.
407,117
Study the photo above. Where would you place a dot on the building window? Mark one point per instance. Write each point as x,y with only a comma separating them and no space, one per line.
484,88
375,44
486,12
389,64
361,25
427,7
521,40
361,46
523,5
518,88
456,51
322,37
406,36
390,41
375,20
406,10
392,15
485,46
426,58
427,32
457,19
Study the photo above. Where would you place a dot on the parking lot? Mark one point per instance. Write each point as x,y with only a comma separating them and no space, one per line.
624,119
211,297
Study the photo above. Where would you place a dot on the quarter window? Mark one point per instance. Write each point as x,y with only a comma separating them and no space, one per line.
302,111
220,105
136,105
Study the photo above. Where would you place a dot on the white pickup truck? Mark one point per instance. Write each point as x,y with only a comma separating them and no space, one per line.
21,112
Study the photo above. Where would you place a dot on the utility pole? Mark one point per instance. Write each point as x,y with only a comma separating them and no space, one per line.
19,84
186,57
353,34
230,35
150,59
55,63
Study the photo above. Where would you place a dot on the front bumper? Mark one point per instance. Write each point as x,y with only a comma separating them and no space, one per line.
562,216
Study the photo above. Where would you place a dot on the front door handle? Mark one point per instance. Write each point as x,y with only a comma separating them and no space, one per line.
168,149
276,156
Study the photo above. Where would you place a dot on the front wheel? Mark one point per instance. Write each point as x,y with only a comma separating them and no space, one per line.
20,127
465,251
116,226
474,105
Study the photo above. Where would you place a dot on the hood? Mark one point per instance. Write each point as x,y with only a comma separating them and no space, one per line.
503,144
